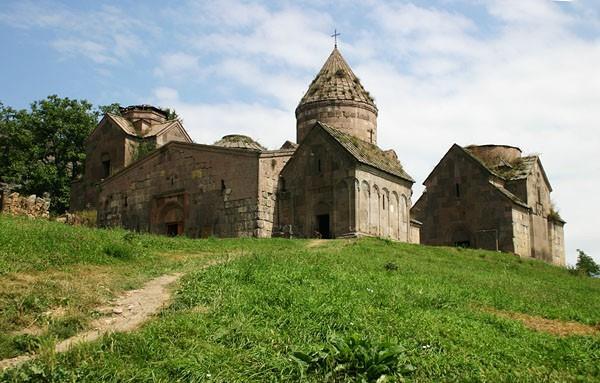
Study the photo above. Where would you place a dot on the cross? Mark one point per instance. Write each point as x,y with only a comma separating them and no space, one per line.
335,35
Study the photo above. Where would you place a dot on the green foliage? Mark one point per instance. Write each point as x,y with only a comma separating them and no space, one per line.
391,266
114,108
26,343
15,146
66,327
278,301
118,250
43,148
355,357
585,264
171,114
143,149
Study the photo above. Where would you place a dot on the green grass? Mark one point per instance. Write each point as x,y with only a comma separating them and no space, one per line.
342,311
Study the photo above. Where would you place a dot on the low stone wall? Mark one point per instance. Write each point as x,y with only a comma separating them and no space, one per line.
32,206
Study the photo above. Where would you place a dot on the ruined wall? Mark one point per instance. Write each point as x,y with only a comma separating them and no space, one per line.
270,165
354,118
317,181
196,190
463,208
383,205
31,206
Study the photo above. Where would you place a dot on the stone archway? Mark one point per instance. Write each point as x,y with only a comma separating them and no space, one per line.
168,214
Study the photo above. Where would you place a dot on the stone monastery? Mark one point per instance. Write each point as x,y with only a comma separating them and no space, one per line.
143,172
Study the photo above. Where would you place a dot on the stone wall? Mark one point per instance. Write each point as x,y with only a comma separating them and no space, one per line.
521,231
354,118
317,181
463,208
323,181
383,204
32,206
107,143
191,189
270,165
557,242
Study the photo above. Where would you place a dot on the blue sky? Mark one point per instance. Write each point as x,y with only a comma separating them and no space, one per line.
517,72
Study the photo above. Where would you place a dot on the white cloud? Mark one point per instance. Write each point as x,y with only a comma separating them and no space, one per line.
537,90
207,123
292,36
180,65
107,35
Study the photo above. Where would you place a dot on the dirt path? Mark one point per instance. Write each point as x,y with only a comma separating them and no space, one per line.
551,326
124,314
316,243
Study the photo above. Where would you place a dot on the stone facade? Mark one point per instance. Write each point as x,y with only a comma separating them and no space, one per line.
116,143
493,198
195,190
335,183
340,186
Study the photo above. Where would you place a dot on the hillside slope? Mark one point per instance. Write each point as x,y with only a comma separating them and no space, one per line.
289,310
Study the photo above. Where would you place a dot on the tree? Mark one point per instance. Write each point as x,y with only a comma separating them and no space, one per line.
58,128
586,265
171,114
15,146
114,108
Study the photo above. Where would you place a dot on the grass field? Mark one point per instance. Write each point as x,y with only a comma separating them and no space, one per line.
290,310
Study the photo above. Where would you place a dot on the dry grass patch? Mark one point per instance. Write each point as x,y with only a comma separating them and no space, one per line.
550,326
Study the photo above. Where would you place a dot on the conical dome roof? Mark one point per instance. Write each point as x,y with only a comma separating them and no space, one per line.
239,141
336,81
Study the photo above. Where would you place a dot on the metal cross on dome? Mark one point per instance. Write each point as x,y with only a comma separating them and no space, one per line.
335,35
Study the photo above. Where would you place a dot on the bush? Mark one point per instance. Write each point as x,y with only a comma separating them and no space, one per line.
118,250
26,343
391,266
357,357
585,265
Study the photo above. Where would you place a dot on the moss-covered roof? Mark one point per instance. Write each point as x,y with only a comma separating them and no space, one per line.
517,169
239,141
367,153
336,81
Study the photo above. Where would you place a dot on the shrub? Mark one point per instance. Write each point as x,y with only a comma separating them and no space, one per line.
357,357
585,265
26,343
118,250
391,266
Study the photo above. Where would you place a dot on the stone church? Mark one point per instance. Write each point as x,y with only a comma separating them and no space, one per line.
491,197
334,182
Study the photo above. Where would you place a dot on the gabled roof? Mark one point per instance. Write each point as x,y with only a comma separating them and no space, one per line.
336,81
503,191
127,127
367,153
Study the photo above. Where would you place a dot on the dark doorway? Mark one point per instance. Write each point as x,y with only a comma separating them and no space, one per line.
323,225
464,244
174,229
